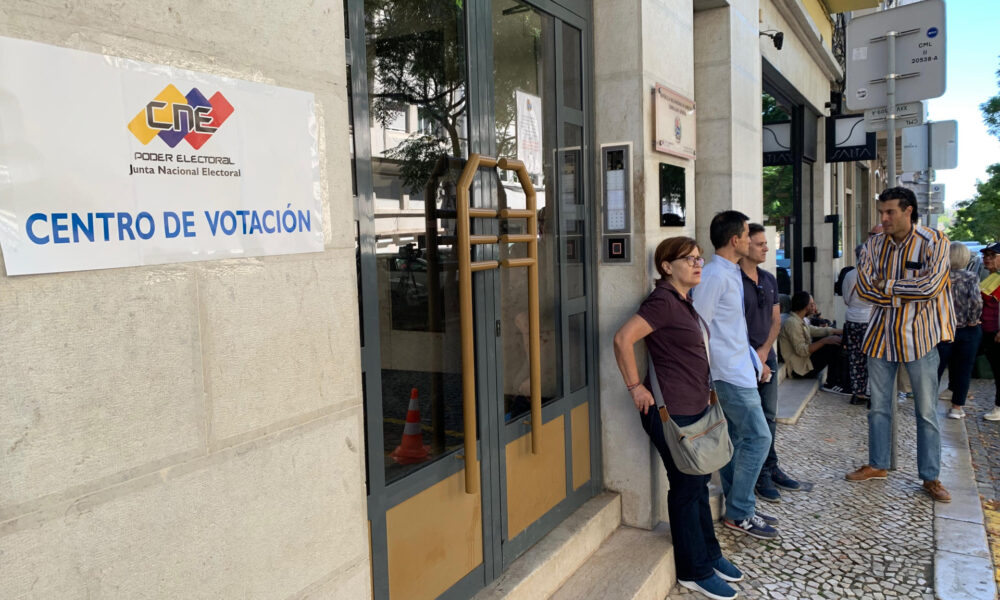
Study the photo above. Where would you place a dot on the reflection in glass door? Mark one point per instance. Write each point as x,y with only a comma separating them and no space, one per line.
538,100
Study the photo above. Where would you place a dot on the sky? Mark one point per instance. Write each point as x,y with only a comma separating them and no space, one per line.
973,55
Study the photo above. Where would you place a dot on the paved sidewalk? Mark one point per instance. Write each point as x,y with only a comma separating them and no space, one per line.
984,441
872,539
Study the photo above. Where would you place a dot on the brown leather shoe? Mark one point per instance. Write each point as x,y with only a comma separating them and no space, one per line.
937,491
865,473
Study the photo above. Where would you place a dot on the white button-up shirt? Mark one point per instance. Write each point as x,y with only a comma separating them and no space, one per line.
719,300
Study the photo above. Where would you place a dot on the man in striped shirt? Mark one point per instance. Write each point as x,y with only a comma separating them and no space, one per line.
903,273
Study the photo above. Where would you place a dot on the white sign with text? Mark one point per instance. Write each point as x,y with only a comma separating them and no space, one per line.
108,162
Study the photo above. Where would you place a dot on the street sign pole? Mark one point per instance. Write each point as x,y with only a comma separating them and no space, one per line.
930,169
890,90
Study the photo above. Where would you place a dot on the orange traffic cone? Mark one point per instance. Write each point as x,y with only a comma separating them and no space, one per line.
412,449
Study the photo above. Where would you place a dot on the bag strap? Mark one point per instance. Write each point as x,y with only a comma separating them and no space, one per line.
654,382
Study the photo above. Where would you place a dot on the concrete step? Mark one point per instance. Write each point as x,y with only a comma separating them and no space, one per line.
540,571
632,564
793,396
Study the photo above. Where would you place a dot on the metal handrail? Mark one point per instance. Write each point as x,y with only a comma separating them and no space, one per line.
465,269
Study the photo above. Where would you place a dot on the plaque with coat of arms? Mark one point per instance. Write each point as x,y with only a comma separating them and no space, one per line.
673,122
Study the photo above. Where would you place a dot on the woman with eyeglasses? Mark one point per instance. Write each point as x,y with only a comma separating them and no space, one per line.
676,340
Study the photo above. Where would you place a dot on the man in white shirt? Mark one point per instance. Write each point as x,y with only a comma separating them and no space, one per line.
736,369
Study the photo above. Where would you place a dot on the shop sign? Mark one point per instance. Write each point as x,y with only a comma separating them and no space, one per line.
674,122
776,139
848,140
108,162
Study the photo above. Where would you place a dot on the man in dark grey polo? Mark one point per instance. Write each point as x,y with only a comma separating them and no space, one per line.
760,305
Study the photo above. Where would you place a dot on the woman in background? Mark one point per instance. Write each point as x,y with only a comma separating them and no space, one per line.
855,326
959,356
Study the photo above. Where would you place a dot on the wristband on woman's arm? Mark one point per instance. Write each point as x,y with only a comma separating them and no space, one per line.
630,387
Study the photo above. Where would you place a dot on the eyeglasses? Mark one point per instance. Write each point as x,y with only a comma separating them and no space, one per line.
761,296
693,261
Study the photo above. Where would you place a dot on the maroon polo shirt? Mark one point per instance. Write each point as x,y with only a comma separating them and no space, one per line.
677,348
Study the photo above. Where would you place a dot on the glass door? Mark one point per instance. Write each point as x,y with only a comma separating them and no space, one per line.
431,83
538,101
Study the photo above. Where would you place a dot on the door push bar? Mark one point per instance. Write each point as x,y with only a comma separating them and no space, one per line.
465,269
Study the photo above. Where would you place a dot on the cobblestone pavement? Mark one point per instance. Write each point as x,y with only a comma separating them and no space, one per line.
984,441
984,438
872,540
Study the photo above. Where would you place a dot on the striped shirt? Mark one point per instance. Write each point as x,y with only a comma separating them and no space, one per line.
908,285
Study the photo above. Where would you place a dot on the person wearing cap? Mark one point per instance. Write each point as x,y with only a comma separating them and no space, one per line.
903,273
990,345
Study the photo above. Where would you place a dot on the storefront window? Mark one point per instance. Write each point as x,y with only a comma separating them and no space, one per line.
778,197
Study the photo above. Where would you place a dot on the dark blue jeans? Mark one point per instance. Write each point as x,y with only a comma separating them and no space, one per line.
695,545
959,357
769,402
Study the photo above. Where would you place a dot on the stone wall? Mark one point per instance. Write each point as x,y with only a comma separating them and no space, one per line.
637,44
190,430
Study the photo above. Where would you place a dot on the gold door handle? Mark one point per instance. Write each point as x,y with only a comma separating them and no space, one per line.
465,270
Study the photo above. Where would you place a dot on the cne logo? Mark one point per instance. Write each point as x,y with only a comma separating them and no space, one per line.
174,116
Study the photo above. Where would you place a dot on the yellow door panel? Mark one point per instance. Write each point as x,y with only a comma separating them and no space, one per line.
435,538
535,482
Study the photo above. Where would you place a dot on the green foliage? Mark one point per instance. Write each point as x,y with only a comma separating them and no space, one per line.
416,56
771,111
777,181
991,112
979,218
777,195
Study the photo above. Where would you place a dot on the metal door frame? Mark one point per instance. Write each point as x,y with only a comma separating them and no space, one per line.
493,434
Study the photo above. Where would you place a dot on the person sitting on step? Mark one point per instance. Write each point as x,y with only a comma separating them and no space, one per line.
807,357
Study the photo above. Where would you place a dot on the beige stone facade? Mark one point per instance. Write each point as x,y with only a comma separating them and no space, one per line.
190,430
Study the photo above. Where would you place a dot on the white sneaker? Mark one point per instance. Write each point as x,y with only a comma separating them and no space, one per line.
957,413
945,395
993,415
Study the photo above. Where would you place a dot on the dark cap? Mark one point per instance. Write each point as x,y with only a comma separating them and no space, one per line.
994,248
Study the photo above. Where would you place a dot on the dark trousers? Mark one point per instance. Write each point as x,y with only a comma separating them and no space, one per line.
857,361
992,351
769,402
826,356
959,356
695,545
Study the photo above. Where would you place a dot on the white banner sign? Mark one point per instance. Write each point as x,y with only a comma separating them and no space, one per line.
107,162
529,131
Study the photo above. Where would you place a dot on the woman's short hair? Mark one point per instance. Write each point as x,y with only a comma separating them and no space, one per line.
800,300
958,255
671,249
